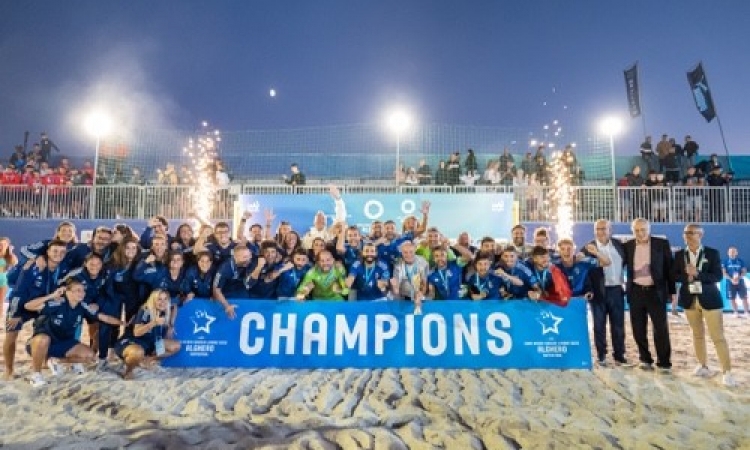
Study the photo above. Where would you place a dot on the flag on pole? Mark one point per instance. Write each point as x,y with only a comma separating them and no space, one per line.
631,86
701,93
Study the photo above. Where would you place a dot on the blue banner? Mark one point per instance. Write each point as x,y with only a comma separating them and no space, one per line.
482,214
458,334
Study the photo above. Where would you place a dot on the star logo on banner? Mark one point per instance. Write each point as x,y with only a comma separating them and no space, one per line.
202,321
549,322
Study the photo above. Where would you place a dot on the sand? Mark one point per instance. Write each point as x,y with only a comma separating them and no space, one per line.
388,409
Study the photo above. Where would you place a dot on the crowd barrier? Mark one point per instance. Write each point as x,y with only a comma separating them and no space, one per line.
520,334
667,204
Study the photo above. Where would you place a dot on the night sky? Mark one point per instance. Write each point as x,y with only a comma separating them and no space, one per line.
172,64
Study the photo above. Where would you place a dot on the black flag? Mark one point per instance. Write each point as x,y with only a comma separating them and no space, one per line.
634,96
701,93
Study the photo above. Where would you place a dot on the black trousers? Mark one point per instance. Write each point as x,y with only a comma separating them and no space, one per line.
646,303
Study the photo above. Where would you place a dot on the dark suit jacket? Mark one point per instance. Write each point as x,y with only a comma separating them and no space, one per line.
709,273
661,266
596,275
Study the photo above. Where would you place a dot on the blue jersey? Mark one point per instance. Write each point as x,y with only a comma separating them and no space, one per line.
366,279
95,287
60,320
148,340
351,255
446,281
733,266
199,283
151,275
265,287
220,254
122,289
388,253
490,284
577,274
521,271
289,281
230,279
34,283
31,251
176,287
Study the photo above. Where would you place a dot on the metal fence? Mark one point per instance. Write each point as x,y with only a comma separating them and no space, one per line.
657,204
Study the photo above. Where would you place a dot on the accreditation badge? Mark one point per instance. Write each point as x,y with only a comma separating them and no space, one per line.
695,288
159,346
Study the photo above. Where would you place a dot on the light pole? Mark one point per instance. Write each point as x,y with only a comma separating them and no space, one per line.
97,124
398,122
612,126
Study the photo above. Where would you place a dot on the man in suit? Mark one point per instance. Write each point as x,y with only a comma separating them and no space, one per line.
698,269
609,297
650,287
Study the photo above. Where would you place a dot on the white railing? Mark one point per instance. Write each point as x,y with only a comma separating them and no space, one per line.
662,204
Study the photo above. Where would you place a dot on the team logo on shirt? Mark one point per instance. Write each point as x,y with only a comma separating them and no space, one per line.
549,322
202,321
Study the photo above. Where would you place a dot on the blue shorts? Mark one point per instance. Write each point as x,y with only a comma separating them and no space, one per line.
57,349
736,290
17,311
122,344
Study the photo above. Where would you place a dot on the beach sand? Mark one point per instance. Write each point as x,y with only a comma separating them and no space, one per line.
388,409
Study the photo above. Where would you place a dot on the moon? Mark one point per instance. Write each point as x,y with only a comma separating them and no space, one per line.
272,93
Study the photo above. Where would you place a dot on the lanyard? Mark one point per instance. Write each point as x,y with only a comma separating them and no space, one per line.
329,279
53,278
542,277
443,277
369,273
409,274
480,285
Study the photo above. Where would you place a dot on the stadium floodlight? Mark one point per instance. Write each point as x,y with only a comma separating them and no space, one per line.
97,124
399,120
612,126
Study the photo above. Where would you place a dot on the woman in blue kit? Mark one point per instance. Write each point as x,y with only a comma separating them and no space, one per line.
122,293
61,313
199,278
146,339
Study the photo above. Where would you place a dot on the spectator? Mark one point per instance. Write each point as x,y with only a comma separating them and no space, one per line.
662,150
411,178
441,174
471,163
657,196
528,164
680,156
541,167
424,173
454,168
571,162
298,178
45,147
508,173
671,164
506,157
716,197
533,198
491,175
693,209
168,176
691,150
400,174
18,158
647,154
136,177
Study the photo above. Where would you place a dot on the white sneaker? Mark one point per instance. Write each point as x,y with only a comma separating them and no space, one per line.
702,371
55,366
729,380
78,369
37,380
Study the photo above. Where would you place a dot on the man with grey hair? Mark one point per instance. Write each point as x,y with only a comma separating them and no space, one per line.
650,286
698,269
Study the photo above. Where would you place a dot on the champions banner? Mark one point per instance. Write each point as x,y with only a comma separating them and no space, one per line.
631,86
701,93
486,214
334,335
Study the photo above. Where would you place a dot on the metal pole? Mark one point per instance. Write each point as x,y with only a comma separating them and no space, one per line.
397,173
614,176
92,205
